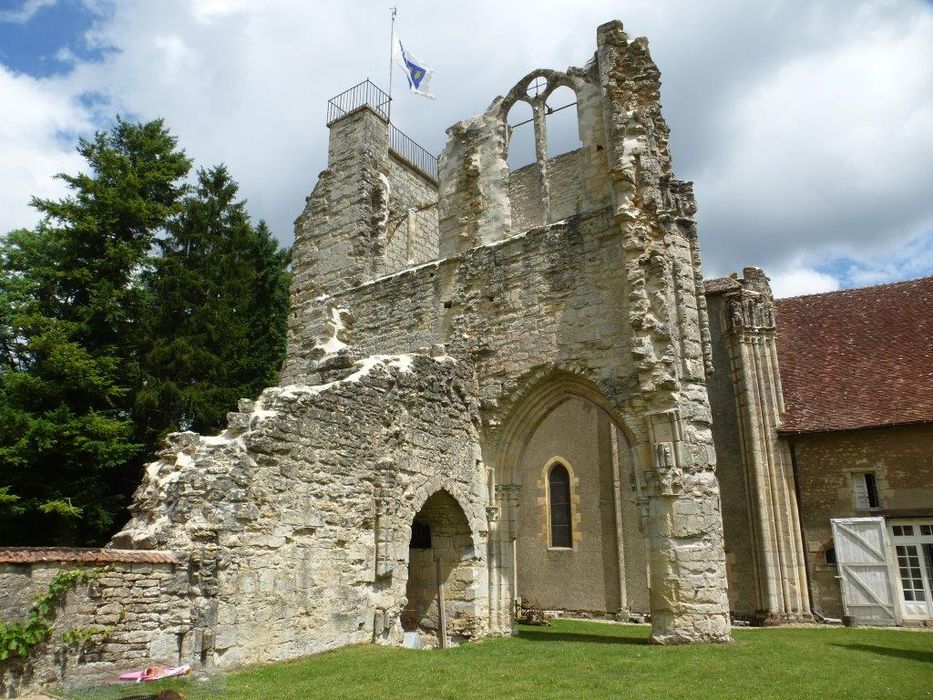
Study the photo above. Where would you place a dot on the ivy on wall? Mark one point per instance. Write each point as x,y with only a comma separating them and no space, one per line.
17,639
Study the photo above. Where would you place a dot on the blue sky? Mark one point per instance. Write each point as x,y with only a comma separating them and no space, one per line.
44,39
807,127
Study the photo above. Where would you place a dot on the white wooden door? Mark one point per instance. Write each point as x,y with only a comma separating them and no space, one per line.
868,594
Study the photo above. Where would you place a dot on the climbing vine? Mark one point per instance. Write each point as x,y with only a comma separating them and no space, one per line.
18,638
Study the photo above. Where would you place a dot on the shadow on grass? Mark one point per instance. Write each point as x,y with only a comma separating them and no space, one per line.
540,636
909,654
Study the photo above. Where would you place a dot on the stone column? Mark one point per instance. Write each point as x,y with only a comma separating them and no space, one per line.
686,555
783,592
654,213
503,529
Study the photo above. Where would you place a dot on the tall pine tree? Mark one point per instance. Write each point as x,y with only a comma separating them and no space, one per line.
70,338
216,324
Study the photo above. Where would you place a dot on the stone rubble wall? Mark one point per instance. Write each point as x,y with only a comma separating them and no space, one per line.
291,527
298,516
143,609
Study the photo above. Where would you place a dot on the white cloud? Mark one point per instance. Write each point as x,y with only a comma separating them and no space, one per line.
26,11
911,260
807,128
830,153
797,280
31,145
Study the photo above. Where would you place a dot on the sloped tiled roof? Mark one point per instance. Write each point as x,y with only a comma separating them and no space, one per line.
32,555
857,358
720,284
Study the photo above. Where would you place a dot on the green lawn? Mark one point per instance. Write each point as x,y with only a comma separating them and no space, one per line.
591,660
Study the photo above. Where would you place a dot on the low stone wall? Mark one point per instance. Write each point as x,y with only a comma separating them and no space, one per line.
411,230
139,603
569,192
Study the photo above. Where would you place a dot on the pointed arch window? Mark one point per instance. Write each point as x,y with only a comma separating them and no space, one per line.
559,505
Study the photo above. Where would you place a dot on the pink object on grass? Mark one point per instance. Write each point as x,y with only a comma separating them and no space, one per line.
154,673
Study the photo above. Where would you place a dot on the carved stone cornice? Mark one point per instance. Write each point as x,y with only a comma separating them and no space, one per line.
750,308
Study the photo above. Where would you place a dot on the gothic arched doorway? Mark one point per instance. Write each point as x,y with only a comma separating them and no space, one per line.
441,607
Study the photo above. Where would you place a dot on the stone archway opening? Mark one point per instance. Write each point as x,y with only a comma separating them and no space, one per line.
441,595
580,539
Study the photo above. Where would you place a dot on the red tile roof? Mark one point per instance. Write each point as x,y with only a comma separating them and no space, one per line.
857,358
720,284
32,555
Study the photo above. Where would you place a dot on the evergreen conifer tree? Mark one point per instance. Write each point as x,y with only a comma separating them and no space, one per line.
218,306
70,304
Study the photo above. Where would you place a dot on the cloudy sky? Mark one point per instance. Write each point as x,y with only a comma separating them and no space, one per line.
806,126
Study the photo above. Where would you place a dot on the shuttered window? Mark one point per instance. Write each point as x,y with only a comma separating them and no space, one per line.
866,491
559,492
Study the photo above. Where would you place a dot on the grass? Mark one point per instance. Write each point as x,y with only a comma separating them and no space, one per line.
574,659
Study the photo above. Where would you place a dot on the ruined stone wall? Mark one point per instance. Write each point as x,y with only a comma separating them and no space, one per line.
901,460
141,610
411,231
525,197
567,190
612,296
302,509
371,213
531,300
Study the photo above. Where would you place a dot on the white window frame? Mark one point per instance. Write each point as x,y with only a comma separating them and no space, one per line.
917,540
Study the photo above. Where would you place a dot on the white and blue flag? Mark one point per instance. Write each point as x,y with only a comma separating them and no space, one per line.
418,74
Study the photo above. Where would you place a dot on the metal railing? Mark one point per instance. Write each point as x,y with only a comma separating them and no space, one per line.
368,94
360,95
411,151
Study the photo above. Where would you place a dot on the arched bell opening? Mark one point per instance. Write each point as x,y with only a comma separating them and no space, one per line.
441,606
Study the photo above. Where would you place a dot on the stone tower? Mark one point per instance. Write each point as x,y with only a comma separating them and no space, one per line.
576,277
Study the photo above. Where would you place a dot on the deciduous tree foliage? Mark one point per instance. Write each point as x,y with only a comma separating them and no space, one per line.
137,307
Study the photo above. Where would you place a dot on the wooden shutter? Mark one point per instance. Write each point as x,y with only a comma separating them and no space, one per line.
868,593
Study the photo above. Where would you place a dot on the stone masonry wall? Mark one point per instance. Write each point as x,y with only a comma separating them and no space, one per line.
301,510
613,296
371,213
901,459
411,231
567,190
143,608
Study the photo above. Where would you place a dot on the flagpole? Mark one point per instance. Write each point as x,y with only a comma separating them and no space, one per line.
392,11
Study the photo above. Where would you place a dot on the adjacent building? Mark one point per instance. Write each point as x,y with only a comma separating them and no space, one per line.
823,410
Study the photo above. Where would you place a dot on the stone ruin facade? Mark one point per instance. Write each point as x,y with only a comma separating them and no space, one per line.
451,341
